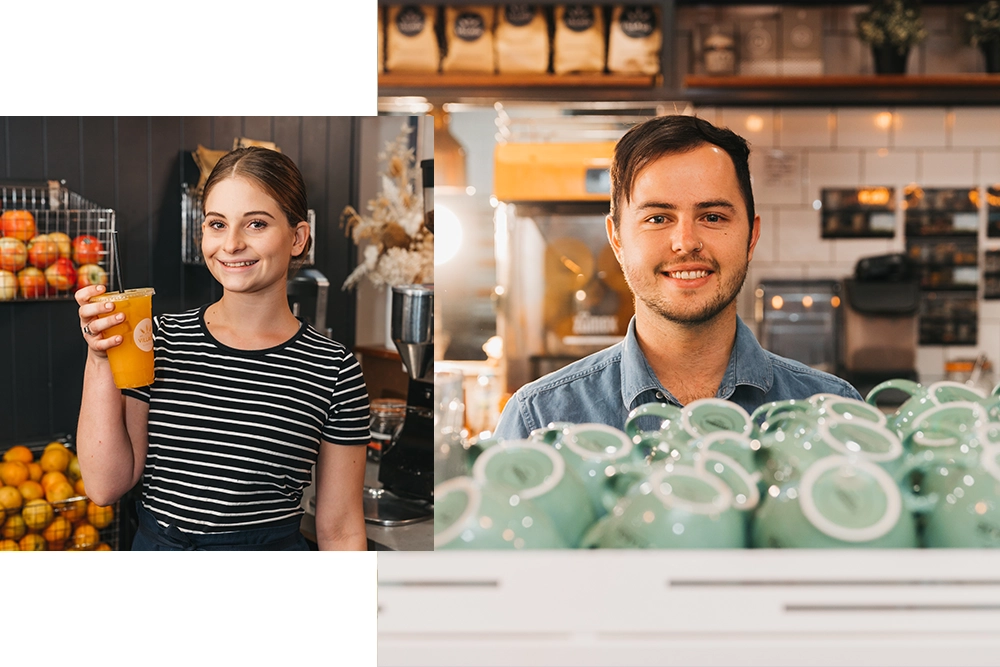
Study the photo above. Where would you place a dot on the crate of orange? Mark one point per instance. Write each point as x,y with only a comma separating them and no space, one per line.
45,505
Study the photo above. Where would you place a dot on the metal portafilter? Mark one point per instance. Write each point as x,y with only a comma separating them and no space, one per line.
413,327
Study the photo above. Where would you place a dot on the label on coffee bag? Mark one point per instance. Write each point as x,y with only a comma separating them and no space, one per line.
410,21
637,21
519,15
579,18
469,26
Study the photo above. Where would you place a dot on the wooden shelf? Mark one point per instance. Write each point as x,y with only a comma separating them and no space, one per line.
953,89
430,80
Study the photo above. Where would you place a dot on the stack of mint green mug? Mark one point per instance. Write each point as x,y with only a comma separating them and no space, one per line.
821,472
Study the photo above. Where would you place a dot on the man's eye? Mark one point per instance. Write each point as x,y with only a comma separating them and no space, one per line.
657,219
713,217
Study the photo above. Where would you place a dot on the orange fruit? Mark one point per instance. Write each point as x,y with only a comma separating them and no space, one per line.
9,545
85,537
10,499
13,473
37,514
13,528
100,517
55,459
32,542
35,472
103,546
31,490
19,453
59,491
73,471
78,487
73,510
50,478
57,532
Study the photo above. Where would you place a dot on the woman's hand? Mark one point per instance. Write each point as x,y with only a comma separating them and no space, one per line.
97,317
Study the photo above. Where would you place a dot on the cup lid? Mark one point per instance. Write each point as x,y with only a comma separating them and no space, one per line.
530,468
688,488
456,501
852,500
707,415
122,296
597,442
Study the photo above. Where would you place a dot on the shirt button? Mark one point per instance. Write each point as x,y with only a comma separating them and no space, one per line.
659,395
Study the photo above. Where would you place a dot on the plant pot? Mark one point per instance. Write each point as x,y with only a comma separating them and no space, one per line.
991,52
889,60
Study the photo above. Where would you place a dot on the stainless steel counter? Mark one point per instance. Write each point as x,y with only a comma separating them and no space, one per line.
411,537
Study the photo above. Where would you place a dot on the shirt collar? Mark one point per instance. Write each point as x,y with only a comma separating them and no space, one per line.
748,365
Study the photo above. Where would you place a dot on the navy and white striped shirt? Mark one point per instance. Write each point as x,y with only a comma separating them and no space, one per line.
234,434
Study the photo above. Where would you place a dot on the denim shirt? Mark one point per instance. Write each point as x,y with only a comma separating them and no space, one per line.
605,386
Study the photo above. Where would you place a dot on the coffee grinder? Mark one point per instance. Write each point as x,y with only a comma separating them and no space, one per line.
406,469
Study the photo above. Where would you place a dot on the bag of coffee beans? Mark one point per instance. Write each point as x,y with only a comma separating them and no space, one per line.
634,40
469,39
411,40
522,39
579,39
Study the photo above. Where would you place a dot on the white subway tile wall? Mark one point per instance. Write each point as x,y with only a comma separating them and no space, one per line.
844,147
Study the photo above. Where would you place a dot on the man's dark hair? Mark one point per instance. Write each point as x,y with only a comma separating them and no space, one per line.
669,135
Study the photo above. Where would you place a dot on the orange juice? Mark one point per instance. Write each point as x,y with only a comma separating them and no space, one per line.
132,361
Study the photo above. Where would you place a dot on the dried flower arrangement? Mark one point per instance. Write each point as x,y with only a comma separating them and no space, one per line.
892,23
400,248
984,23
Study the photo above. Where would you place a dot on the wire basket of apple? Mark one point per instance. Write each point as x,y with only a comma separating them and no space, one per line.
44,506
47,250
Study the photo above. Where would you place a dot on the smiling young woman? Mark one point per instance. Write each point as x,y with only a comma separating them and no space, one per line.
247,399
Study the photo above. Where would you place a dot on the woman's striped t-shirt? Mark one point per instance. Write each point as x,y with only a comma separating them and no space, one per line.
234,434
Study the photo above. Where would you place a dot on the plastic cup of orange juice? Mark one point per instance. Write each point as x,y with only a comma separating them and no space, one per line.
132,361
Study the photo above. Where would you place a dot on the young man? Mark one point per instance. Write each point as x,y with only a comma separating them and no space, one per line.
683,228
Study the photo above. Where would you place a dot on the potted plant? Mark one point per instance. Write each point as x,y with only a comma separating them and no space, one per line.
984,32
891,27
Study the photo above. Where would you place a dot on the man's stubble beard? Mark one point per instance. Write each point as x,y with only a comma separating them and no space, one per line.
658,303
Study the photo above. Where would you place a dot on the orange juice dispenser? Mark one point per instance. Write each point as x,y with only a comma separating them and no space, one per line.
561,293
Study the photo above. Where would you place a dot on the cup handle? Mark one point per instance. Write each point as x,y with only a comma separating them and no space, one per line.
664,411
908,387
914,503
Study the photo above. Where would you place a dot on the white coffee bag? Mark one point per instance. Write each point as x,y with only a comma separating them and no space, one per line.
522,39
578,45
469,39
411,41
635,40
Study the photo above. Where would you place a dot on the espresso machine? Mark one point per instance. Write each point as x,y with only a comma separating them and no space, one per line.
307,295
406,469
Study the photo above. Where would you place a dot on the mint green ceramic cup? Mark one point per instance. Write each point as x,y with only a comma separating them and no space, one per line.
470,516
839,502
655,429
967,511
535,471
921,400
602,457
678,507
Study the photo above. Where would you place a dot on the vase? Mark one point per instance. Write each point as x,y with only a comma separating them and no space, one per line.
991,52
889,60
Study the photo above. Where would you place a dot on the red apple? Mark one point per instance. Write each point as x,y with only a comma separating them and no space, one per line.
87,250
42,251
64,243
91,274
8,285
19,224
32,282
61,275
13,254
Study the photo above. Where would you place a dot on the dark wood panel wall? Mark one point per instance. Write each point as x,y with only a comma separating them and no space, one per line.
136,165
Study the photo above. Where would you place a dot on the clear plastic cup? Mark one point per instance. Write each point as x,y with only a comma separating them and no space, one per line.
132,361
